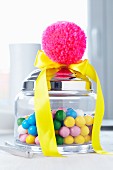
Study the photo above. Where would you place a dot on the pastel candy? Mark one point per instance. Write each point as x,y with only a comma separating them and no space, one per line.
20,120
57,124
79,112
87,138
37,140
22,138
59,140
53,112
79,139
62,108
56,132
68,140
84,130
90,129
30,139
71,112
60,115
69,121
21,130
25,124
75,131
80,121
64,131
32,130
32,120
89,120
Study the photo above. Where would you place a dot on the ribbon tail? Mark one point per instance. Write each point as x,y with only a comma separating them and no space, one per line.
99,111
44,121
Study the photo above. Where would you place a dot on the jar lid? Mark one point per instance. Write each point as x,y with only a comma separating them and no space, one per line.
62,81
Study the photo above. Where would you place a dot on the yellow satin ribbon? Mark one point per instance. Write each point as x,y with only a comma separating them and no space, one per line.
44,121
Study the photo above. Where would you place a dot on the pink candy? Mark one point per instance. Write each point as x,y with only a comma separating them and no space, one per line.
23,137
64,131
53,113
61,108
75,131
37,140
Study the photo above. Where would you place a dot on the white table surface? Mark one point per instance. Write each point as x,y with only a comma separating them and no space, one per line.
91,161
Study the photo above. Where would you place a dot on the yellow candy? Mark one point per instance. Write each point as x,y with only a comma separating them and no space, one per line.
87,138
68,140
89,120
69,121
79,139
84,130
30,139
80,121
26,117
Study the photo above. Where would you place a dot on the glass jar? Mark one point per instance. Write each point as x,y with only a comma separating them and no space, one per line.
72,107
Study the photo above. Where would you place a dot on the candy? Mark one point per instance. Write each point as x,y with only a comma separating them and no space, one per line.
90,129
20,120
32,120
56,132
75,131
25,124
79,112
59,140
60,115
30,139
87,138
32,130
23,137
61,108
37,140
64,131
70,127
21,130
26,117
84,130
53,112
69,121
79,139
71,112
80,121
69,140
89,120
57,124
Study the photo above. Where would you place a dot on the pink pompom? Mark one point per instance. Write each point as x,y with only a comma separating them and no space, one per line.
64,42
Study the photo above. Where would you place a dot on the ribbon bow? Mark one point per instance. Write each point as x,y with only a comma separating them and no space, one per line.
44,120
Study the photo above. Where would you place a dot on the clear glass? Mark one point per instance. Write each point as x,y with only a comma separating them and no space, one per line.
82,102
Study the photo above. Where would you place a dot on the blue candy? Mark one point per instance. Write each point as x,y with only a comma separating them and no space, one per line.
32,120
32,130
71,112
25,124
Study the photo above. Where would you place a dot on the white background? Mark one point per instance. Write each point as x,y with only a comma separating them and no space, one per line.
23,21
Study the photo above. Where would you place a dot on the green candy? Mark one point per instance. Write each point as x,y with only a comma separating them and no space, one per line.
60,115
59,140
57,124
20,120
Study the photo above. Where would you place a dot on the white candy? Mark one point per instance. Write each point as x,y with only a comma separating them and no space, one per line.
79,112
21,130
